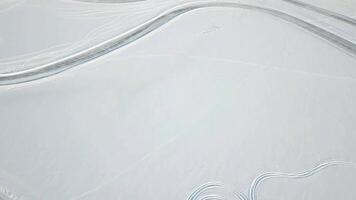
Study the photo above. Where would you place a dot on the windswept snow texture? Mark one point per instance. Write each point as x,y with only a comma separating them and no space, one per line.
176,100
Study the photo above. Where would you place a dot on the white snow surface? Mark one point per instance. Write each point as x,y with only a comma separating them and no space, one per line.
218,95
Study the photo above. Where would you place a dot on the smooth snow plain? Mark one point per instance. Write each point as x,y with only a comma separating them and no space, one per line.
218,103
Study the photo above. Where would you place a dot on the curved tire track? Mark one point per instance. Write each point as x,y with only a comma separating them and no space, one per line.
124,39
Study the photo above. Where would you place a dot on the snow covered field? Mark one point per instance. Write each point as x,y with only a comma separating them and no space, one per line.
219,102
